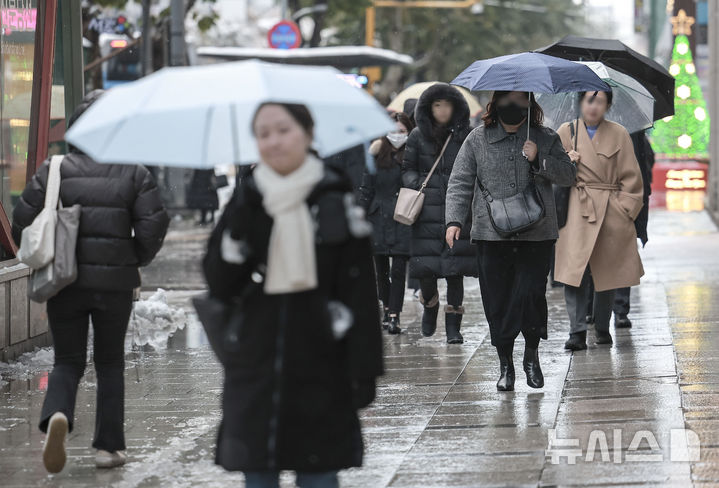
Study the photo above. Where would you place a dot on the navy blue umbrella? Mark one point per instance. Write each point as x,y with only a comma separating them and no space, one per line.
530,72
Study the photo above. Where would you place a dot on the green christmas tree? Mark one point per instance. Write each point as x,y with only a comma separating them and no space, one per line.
685,135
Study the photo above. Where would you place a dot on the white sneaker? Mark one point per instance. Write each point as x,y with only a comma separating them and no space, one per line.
53,454
105,459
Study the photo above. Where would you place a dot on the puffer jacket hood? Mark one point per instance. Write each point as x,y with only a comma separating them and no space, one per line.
460,114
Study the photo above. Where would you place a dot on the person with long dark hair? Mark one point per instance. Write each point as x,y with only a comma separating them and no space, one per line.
291,249
504,159
390,239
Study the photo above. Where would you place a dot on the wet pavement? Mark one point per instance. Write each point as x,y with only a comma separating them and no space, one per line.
608,416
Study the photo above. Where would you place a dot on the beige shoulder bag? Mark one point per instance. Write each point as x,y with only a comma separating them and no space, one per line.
409,201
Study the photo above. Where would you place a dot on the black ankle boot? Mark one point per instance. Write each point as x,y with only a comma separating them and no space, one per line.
577,341
621,321
452,324
603,337
506,371
385,319
393,327
429,317
535,377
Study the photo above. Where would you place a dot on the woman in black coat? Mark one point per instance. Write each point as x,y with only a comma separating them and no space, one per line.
390,239
441,113
292,246
202,194
122,227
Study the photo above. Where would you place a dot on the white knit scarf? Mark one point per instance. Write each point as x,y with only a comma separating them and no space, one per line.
291,260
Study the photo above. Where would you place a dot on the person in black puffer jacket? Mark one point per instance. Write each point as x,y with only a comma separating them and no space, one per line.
122,227
390,239
441,112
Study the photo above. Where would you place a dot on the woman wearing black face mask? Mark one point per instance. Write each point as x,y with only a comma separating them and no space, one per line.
390,239
512,270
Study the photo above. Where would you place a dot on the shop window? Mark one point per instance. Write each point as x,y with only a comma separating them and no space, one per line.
17,48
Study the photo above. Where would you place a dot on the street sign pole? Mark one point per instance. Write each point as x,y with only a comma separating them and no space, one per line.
283,6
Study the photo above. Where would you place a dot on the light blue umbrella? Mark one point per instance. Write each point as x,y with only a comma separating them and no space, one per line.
200,117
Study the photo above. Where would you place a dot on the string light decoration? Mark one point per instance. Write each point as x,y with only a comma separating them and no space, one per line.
686,134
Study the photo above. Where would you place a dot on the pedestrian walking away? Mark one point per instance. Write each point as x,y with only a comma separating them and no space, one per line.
599,235
202,194
442,115
498,161
645,156
390,239
296,257
123,224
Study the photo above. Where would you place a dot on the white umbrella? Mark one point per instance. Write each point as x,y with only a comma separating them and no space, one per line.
199,117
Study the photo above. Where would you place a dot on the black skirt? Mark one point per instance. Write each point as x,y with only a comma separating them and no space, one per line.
513,280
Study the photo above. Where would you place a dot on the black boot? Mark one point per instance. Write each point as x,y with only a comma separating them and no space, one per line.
535,378
506,370
385,319
429,317
603,337
393,327
577,341
452,324
621,321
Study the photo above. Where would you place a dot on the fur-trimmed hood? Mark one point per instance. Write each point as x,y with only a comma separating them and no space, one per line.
442,91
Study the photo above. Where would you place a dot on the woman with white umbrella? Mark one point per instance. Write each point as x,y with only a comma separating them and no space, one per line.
290,251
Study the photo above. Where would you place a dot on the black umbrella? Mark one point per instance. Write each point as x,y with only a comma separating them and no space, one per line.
615,54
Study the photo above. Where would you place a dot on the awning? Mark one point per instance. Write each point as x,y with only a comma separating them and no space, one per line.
337,56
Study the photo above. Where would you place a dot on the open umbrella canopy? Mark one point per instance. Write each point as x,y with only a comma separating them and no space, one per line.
416,90
200,117
615,54
529,72
632,105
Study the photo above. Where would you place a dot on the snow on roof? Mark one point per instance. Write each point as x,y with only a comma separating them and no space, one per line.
339,56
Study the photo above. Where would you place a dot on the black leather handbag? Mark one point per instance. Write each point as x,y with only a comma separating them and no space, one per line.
517,213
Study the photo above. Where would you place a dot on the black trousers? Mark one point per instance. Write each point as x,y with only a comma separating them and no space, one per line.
621,304
513,281
391,281
69,313
455,289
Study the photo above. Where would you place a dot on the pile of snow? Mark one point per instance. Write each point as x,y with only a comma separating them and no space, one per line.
28,365
153,321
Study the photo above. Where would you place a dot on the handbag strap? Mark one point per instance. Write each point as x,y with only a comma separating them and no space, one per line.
52,191
434,166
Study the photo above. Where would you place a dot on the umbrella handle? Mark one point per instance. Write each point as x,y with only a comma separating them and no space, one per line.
529,113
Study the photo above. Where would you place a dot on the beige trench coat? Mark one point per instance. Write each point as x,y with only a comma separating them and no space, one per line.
603,204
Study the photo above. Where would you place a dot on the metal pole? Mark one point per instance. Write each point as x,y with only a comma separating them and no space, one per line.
177,33
283,7
713,183
146,39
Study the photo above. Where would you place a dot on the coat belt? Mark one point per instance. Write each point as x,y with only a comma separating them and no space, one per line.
585,200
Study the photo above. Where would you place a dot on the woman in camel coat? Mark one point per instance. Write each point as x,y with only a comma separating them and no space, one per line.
598,241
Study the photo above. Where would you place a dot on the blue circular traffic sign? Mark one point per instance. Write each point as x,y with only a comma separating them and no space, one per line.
285,35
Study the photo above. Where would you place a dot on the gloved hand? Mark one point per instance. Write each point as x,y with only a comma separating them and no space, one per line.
363,392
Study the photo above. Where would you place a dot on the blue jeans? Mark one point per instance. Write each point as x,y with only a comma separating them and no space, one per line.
271,479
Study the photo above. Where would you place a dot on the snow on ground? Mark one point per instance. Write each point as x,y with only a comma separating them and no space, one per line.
153,321
27,365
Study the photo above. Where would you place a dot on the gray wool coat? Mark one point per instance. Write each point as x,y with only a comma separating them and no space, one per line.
495,156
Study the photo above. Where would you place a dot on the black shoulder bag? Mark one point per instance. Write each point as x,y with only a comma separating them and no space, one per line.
517,213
